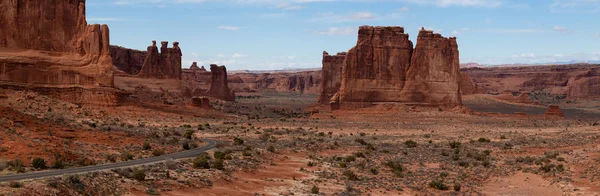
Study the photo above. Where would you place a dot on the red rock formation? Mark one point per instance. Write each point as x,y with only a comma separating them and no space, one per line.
201,102
219,87
2,94
163,65
375,69
467,86
548,83
196,80
383,67
287,82
554,111
128,60
434,73
49,44
331,75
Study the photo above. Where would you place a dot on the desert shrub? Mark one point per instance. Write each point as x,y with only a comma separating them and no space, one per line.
271,149
374,171
220,154
111,158
146,146
482,139
218,164
201,163
410,144
350,158
15,184
454,144
457,187
314,189
126,156
395,166
238,141
186,146
438,184
38,163
188,134
310,164
76,183
551,155
351,175
139,175
360,141
158,152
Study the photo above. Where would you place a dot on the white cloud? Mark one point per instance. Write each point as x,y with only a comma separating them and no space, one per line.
195,54
577,6
337,31
561,30
288,6
229,28
237,56
403,9
221,55
461,31
363,16
462,3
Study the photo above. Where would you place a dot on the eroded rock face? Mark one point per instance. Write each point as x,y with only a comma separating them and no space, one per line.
331,75
201,102
554,111
434,73
128,60
467,86
163,65
546,83
375,69
383,67
49,44
219,87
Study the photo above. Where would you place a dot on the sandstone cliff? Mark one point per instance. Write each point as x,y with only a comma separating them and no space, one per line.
434,73
49,44
331,75
384,67
375,69
128,60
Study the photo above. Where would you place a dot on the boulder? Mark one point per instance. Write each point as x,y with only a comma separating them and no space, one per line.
219,87
201,102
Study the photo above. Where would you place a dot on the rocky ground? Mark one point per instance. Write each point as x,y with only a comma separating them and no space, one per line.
280,144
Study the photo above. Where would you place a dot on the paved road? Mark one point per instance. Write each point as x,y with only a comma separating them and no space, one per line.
51,173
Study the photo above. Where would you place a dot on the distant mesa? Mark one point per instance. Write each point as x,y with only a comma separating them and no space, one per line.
384,67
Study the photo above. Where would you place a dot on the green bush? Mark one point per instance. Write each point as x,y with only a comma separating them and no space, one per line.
38,163
410,144
139,175
201,163
454,144
158,152
438,184
189,134
238,141
351,175
146,146
482,139
218,164
314,189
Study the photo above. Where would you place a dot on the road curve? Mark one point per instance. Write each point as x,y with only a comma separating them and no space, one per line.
92,168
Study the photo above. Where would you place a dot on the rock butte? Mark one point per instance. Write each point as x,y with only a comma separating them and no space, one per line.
554,112
332,75
384,67
52,50
163,65
128,60
219,87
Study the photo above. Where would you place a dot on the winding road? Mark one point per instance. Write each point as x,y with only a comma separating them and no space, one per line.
51,173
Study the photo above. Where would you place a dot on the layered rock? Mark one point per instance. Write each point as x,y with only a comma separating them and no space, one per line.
434,73
375,69
546,83
163,65
128,60
48,44
196,80
554,111
331,75
284,82
219,87
383,67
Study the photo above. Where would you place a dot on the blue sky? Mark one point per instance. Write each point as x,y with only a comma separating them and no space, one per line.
280,34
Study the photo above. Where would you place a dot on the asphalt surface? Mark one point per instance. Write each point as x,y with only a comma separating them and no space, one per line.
52,173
